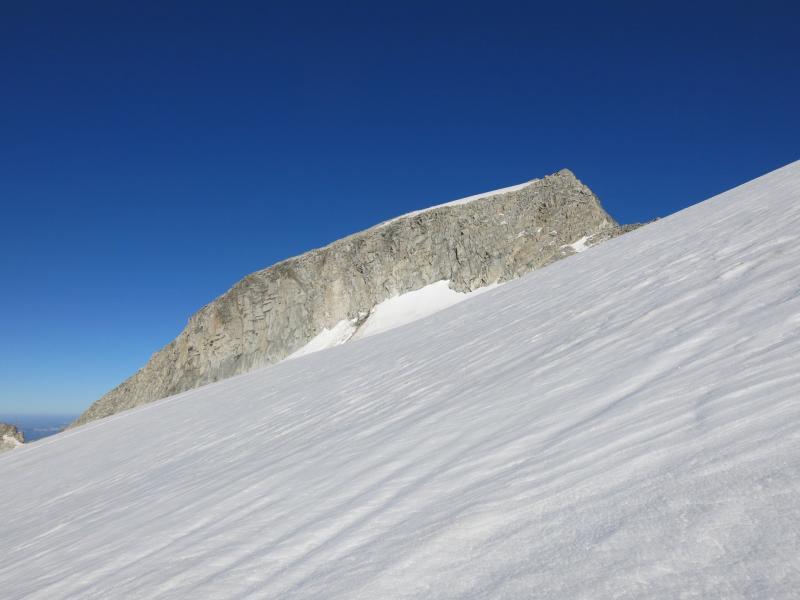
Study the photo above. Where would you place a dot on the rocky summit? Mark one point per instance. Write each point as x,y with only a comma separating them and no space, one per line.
268,315
10,437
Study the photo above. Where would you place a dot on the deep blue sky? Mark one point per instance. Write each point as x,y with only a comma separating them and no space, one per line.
153,153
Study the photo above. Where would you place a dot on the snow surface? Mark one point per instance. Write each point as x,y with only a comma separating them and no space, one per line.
622,424
579,245
328,338
468,199
391,313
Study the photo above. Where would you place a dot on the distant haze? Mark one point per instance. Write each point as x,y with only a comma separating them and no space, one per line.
36,427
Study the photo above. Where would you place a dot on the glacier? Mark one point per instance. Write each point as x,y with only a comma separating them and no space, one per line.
624,423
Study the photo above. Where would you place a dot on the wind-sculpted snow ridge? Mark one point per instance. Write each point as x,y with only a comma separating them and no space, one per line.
622,424
471,243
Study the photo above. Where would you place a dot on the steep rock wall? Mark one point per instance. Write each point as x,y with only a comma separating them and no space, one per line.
273,312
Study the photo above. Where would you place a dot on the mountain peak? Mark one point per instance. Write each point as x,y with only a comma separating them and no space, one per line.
566,173
623,424
470,243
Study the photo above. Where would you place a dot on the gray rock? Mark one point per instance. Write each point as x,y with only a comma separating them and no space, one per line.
271,313
10,437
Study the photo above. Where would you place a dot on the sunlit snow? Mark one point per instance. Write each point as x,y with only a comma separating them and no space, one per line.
579,245
328,338
624,423
391,313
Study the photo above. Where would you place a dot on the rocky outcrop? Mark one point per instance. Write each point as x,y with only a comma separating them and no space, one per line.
271,313
10,437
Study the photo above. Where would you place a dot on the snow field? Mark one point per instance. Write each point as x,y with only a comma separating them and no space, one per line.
622,424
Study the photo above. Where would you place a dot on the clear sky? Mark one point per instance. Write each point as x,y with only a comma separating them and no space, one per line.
153,153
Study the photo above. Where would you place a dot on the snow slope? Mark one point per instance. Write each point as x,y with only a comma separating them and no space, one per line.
412,306
622,424
390,314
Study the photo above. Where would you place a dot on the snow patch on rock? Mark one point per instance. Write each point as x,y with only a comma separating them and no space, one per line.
391,313
580,245
328,338
460,201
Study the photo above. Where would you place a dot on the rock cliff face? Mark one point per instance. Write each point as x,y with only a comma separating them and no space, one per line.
10,437
271,313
